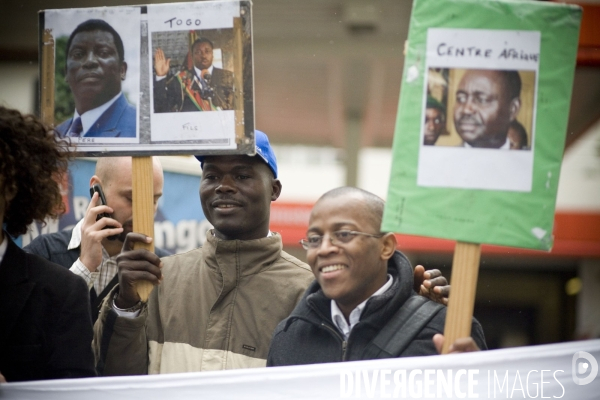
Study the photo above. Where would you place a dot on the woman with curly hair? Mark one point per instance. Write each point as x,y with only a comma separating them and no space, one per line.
45,323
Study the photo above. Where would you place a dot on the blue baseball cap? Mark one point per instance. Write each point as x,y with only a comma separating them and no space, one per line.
263,150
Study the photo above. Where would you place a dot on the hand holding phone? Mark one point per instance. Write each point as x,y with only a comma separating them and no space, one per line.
97,188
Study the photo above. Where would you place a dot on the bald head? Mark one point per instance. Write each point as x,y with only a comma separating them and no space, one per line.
373,204
114,174
345,224
109,167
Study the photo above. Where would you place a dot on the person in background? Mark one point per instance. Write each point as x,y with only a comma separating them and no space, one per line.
90,249
45,323
435,121
517,135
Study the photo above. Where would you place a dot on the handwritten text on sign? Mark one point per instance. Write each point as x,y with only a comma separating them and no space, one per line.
482,48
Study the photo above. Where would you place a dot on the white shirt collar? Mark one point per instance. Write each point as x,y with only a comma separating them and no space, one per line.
75,241
338,317
88,118
3,247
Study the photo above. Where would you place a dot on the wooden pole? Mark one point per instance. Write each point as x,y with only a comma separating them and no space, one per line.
47,78
143,210
238,79
465,268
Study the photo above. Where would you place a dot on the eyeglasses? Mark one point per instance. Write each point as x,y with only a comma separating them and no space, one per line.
337,238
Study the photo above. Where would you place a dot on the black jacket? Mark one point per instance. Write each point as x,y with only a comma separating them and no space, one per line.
54,247
308,335
45,324
171,96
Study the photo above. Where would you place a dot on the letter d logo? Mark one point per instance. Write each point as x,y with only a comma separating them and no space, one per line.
582,367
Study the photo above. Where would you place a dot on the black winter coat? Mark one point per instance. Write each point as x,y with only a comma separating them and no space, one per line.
45,324
308,335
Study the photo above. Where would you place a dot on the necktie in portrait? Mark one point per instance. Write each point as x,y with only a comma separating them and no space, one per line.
76,128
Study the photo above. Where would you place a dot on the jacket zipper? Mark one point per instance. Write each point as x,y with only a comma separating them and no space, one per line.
344,343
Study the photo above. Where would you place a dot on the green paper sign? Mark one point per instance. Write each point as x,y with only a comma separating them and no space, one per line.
482,121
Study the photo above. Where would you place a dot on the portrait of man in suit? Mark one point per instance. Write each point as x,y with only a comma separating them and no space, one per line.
199,86
95,69
487,102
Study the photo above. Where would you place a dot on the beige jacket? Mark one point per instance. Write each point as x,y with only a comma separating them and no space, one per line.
216,309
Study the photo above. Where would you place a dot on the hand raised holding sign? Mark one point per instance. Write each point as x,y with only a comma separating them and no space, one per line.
136,266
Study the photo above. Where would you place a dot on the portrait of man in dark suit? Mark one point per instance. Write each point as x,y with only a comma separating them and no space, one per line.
95,69
487,102
198,87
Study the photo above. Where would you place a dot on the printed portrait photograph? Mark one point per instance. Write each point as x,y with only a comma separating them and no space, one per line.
97,62
479,108
192,70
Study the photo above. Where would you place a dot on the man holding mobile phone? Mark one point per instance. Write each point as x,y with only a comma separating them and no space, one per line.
86,249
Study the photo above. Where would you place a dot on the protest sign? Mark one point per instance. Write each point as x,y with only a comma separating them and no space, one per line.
487,71
157,79
480,131
148,80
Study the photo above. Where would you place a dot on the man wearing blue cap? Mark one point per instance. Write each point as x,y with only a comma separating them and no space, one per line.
215,307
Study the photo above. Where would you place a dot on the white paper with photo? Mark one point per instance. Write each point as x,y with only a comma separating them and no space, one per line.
126,21
479,168
214,128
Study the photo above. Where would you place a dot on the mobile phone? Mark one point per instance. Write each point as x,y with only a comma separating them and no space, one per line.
97,188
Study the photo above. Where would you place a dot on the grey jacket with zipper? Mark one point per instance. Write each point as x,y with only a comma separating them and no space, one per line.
308,335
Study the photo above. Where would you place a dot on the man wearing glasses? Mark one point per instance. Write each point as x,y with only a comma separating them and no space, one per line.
362,282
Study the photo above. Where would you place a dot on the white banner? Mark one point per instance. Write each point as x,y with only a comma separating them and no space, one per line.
557,371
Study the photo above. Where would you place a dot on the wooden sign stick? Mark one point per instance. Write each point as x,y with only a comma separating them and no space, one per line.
238,79
47,79
465,268
143,210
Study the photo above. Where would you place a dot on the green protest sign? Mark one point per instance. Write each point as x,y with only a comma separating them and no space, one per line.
482,121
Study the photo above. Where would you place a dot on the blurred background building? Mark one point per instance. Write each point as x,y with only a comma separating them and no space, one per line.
327,82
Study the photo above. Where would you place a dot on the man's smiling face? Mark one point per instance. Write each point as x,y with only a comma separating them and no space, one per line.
236,194
350,272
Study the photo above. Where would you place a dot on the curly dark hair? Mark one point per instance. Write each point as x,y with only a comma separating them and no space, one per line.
33,160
